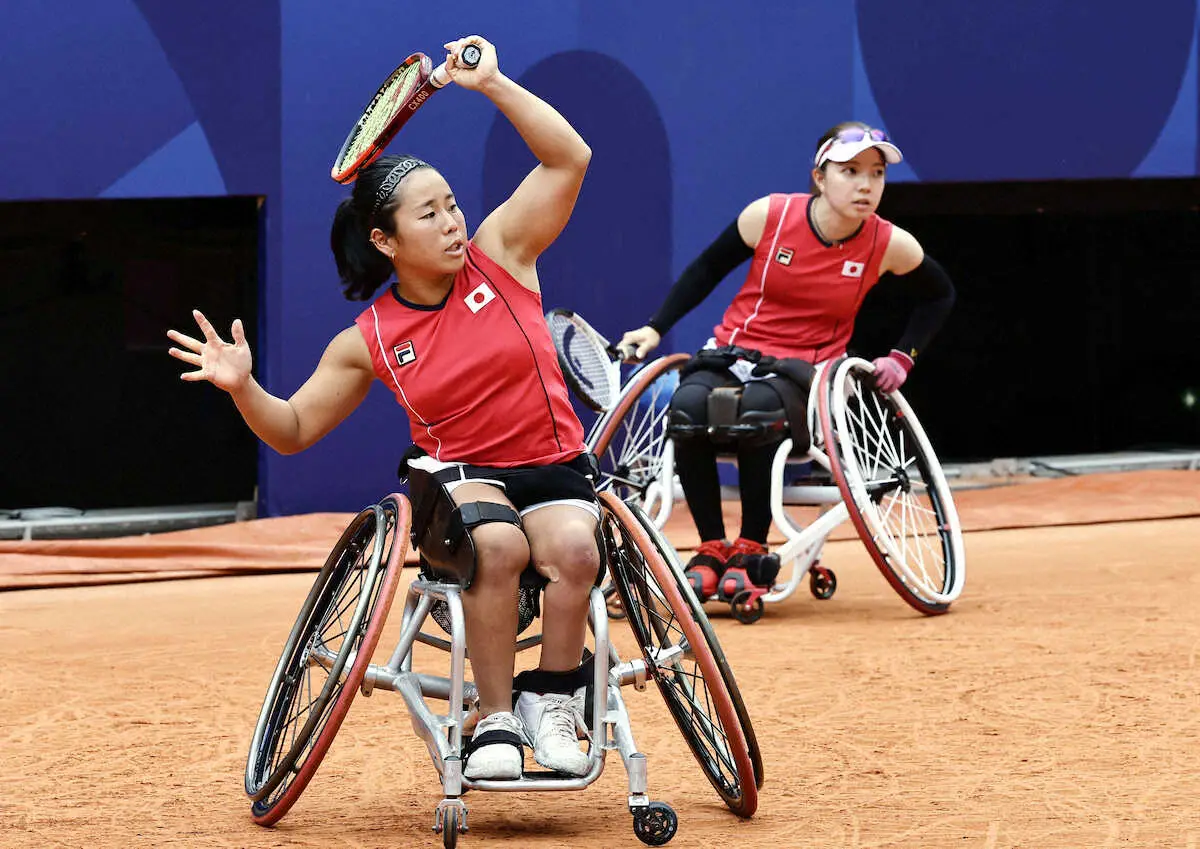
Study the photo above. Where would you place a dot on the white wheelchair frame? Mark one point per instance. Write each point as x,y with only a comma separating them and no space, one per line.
854,490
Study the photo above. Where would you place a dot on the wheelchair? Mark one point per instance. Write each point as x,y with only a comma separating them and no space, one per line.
328,660
869,461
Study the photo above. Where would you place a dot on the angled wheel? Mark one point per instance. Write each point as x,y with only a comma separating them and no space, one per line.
892,482
684,656
630,440
326,657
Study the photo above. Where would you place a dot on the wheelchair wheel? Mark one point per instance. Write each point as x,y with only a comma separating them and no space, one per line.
683,654
631,438
326,657
892,482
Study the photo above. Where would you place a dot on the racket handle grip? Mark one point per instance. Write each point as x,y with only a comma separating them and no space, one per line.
468,57
623,353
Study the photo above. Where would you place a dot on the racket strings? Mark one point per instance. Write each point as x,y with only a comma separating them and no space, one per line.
590,364
392,97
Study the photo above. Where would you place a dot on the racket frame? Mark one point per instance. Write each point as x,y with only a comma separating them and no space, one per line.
574,381
429,80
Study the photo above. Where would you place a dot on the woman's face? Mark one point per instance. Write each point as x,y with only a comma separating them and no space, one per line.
431,233
854,188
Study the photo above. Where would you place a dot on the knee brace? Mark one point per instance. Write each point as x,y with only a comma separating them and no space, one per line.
688,415
441,529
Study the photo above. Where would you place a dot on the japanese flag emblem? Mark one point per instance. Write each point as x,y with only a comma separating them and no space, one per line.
405,353
479,297
853,269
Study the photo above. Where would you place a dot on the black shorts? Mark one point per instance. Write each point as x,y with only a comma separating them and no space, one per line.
530,487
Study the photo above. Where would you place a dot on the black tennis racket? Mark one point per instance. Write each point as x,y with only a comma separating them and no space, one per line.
590,363
402,93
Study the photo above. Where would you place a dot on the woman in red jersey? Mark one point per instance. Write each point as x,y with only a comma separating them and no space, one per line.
459,337
815,257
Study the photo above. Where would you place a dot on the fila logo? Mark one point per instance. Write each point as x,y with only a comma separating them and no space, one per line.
784,257
405,353
853,269
479,297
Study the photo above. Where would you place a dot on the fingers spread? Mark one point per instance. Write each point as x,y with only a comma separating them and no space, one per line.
187,356
205,326
184,340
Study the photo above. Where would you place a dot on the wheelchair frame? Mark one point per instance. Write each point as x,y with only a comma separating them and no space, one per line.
341,622
626,447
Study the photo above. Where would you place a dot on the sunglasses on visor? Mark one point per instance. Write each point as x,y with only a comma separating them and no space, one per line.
849,136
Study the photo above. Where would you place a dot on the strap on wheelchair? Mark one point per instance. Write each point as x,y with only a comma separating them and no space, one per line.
794,386
794,383
440,527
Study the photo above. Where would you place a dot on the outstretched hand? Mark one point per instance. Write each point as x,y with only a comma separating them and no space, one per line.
641,342
224,364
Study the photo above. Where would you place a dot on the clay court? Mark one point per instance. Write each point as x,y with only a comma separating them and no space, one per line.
1056,705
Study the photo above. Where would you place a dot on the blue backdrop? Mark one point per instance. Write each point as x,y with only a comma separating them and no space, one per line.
692,109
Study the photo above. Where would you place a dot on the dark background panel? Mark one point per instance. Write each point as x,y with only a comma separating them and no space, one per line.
94,413
1077,320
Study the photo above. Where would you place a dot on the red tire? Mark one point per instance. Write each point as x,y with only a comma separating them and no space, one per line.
683,656
333,640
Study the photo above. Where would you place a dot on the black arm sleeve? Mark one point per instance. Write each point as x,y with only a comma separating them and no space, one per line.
930,285
699,279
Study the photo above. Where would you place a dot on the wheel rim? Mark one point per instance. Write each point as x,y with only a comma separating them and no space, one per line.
696,697
323,645
904,505
631,440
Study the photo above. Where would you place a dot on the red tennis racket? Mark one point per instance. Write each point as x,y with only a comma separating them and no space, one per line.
401,94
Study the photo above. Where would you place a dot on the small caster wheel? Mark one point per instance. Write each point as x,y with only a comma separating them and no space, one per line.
450,828
451,821
822,583
612,600
655,824
744,609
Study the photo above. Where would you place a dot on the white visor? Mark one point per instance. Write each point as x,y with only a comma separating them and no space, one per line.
845,151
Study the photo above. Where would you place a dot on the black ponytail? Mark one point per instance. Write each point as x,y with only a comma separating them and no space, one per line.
361,266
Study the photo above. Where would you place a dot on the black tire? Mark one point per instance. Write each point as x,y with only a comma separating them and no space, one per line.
697,684
450,828
655,824
326,657
742,613
822,583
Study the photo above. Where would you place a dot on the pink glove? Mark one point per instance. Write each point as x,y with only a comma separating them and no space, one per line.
891,371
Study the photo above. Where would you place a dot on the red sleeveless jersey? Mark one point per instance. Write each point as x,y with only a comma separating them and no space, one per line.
801,295
477,374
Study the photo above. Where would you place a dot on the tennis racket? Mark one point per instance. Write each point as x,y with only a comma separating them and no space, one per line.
401,94
590,363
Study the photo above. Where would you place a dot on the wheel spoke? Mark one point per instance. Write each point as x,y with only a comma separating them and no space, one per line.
900,502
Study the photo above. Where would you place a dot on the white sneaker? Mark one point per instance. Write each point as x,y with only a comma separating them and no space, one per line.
495,751
551,721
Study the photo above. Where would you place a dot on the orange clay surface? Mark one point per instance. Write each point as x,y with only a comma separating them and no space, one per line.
1056,705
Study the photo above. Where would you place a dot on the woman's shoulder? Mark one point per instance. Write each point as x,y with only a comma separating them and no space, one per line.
903,253
753,219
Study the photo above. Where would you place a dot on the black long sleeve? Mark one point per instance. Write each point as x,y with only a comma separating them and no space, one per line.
930,286
699,279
